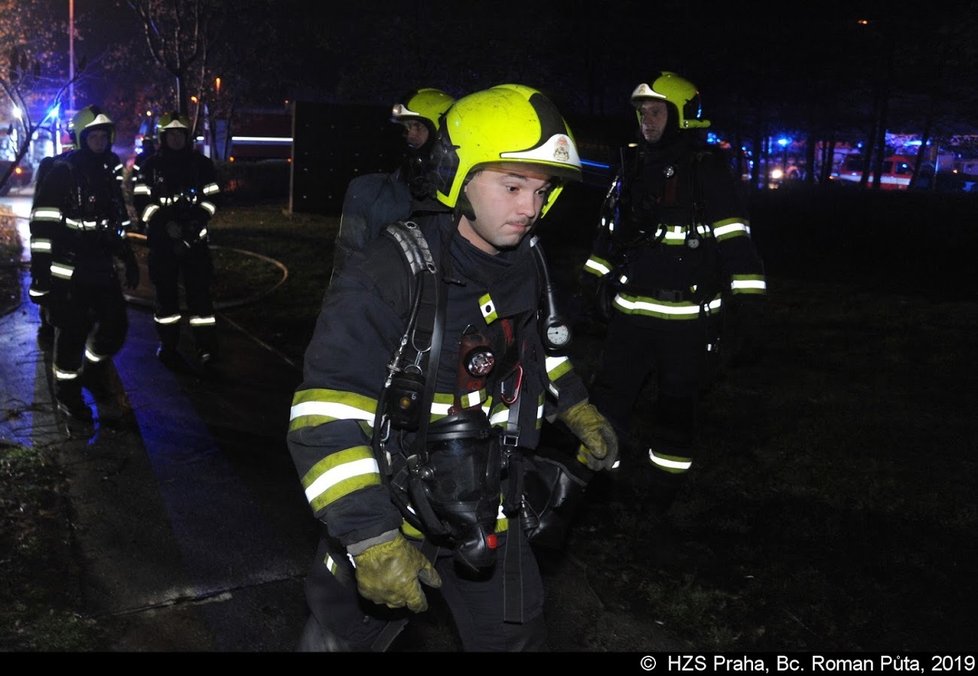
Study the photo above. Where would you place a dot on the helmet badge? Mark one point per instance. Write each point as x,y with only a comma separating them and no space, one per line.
562,149
669,171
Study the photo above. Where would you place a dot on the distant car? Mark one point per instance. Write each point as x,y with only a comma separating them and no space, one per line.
21,177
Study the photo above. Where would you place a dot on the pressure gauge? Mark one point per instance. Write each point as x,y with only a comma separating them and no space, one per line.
558,336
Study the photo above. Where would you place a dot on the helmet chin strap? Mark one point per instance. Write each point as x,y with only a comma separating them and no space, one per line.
463,207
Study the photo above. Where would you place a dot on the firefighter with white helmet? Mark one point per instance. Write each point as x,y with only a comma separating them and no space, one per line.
78,226
672,252
426,381
175,195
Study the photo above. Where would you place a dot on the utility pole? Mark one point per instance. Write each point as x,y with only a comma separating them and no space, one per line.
71,57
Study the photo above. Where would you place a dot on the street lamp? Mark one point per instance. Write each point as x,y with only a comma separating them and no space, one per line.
71,57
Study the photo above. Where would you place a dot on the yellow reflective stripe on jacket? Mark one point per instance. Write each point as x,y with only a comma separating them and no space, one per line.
340,474
211,189
556,367
730,227
663,309
676,235
141,189
748,284
319,406
596,266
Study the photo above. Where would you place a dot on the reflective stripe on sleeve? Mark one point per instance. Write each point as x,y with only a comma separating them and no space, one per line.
340,474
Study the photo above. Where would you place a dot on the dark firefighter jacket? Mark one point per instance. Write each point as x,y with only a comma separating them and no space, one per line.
362,320
176,190
674,236
78,223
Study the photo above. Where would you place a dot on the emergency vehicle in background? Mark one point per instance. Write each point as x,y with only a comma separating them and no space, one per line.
897,171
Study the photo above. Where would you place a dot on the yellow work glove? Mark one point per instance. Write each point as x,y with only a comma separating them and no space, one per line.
388,573
599,443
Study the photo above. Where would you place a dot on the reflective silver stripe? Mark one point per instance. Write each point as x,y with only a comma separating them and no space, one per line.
91,356
46,214
640,305
500,417
169,319
208,207
597,266
85,225
118,168
335,475
730,229
203,233
755,284
64,375
125,224
553,363
203,321
62,271
36,294
473,398
331,409
440,409
669,463
211,188
39,244
149,211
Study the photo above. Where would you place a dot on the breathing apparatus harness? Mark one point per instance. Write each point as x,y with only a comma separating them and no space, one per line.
450,484
698,235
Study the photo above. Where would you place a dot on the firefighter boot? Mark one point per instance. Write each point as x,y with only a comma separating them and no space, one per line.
67,394
99,378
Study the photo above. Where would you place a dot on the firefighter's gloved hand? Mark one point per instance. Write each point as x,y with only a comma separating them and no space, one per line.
389,573
599,443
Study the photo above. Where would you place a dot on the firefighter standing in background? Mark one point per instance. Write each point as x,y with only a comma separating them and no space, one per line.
407,478
45,332
175,195
673,249
373,201
78,225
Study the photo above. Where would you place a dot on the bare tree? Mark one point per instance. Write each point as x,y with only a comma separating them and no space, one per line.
27,30
177,34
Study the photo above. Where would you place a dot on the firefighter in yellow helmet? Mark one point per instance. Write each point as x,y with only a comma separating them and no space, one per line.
426,382
175,195
673,252
374,200
78,225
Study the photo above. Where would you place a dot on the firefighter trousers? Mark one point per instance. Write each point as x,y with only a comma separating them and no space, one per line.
170,263
676,359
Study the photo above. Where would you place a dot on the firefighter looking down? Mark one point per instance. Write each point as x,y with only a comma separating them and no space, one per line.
425,385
